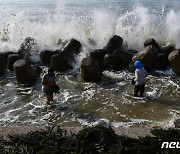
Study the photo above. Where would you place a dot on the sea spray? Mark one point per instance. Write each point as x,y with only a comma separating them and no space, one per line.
86,22
91,23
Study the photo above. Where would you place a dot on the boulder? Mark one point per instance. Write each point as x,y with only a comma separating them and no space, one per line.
27,47
37,69
124,57
90,70
133,51
146,56
151,41
59,63
161,62
5,55
24,73
71,49
114,43
45,56
174,59
12,58
98,54
168,49
2,65
110,62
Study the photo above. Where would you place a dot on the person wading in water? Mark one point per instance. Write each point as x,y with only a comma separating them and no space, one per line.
140,74
48,84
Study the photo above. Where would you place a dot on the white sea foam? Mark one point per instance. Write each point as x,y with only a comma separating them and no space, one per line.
92,24
174,122
168,72
63,21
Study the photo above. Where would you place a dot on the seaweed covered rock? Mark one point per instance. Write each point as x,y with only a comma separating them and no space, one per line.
174,59
12,58
24,73
114,43
90,70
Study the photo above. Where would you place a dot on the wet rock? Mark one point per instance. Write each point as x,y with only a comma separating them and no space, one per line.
146,56
12,58
59,63
124,57
114,43
133,51
5,55
37,69
90,70
45,56
161,62
71,49
174,59
151,41
27,47
177,123
110,62
24,73
168,49
2,65
98,54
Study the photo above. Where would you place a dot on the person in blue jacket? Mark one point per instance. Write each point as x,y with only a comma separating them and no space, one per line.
140,74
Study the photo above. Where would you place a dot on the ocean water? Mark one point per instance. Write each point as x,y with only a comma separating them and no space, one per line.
93,23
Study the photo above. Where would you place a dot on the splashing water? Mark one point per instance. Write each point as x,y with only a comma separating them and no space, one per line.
92,23
49,21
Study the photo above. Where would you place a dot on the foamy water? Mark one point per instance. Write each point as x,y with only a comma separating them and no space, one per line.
92,23
47,22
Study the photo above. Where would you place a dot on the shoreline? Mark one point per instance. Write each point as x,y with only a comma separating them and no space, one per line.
133,132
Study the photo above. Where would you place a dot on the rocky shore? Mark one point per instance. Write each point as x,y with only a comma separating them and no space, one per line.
112,56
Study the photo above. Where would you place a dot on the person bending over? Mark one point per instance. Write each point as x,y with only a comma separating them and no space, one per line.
140,74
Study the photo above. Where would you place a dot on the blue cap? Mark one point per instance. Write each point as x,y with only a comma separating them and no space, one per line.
138,65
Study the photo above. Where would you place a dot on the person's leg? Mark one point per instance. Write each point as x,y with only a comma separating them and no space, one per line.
51,97
142,90
136,90
48,98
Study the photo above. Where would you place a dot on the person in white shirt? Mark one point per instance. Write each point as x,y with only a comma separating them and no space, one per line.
140,74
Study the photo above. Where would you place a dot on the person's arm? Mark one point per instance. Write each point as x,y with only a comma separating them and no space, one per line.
136,76
145,73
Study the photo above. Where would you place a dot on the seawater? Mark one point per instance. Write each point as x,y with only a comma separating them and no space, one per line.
93,23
